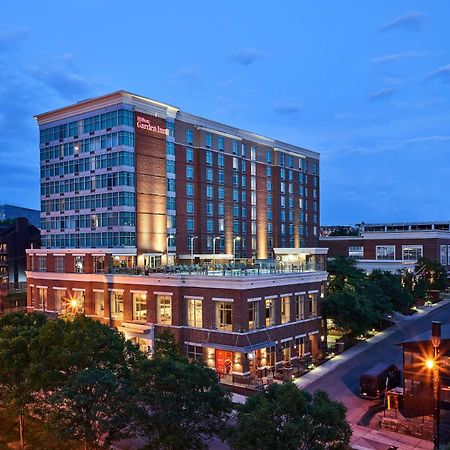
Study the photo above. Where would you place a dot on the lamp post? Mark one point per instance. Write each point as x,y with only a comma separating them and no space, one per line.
192,249
237,238
214,250
436,341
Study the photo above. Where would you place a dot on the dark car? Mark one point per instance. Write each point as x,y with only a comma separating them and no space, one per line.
379,378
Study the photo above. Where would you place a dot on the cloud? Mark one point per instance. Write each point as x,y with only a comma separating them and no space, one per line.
287,109
411,21
397,57
428,139
185,76
10,39
382,94
247,56
443,74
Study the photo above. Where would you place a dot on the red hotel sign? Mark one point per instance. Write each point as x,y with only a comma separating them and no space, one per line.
145,123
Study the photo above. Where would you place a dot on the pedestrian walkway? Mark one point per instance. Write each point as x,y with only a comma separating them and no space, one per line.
368,439
349,354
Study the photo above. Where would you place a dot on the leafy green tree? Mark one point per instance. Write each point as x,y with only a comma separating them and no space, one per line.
179,404
18,332
84,369
397,296
343,272
165,345
91,404
433,273
286,418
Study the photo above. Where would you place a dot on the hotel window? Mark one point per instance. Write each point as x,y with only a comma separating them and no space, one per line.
235,195
300,307
220,160
235,148
220,143
300,344
195,352
253,315
59,264
221,193
170,148
235,164
243,150
170,166
117,305
99,264
243,197
189,190
99,303
243,166
164,309
79,264
42,263
224,316
60,300
190,225
235,180
269,213
189,172
412,252
443,254
253,168
253,153
243,182
194,312
220,177
171,221
312,304
269,157
448,255
221,225
253,183
209,191
190,207
220,209
269,185
209,226
42,298
139,306
285,309
209,158
270,312
209,175
189,154
189,137
385,252
268,171
209,208
170,185
356,251
208,140
286,352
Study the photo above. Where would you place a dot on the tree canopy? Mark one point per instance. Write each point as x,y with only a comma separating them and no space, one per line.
286,418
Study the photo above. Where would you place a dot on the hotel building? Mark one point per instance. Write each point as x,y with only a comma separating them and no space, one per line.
153,217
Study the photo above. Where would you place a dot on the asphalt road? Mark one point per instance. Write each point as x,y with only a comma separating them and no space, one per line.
343,382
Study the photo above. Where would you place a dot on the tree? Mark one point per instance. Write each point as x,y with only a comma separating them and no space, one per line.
179,404
286,418
165,345
18,332
433,273
343,272
91,404
84,369
398,297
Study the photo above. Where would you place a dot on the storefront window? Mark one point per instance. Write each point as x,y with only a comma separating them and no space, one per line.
139,306
224,316
194,312
164,309
253,315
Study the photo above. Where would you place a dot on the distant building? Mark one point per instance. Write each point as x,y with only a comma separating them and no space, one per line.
391,250
11,212
15,238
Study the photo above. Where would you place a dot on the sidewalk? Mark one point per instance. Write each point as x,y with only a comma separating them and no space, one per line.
338,360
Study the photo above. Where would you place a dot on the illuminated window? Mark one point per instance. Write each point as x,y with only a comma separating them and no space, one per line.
269,312
79,264
253,315
60,300
300,307
164,309
99,303
99,264
312,304
285,309
224,316
413,252
194,312
59,264
139,306
356,251
385,252
117,305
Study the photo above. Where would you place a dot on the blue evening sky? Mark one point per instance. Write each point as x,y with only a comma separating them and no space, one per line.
366,84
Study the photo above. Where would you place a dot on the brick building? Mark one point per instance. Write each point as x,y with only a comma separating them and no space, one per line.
242,322
391,250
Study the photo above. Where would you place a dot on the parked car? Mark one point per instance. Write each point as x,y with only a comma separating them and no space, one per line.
379,378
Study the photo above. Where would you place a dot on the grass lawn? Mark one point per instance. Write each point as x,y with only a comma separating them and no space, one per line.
36,436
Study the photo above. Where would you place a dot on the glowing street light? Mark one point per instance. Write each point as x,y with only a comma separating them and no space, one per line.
237,238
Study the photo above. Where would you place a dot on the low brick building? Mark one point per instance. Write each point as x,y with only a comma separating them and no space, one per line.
242,322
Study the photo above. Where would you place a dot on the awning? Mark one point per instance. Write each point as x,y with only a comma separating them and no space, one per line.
246,349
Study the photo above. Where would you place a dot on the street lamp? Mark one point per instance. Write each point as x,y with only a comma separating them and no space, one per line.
436,341
237,238
214,250
167,246
192,249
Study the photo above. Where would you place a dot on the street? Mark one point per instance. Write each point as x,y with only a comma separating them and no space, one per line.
342,383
